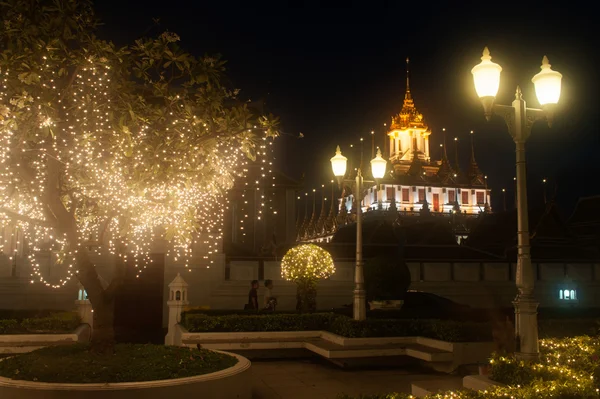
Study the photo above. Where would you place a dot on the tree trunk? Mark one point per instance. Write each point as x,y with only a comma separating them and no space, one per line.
102,300
103,333
306,296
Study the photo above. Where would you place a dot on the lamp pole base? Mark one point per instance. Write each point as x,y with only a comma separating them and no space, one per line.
526,328
360,306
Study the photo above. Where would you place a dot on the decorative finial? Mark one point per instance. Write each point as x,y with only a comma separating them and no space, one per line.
338,151
545,63
518,94
486,54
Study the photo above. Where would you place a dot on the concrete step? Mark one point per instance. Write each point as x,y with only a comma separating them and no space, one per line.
323,347
479,382
421,389
428,353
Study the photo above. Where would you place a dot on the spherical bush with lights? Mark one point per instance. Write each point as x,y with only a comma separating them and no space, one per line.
305,265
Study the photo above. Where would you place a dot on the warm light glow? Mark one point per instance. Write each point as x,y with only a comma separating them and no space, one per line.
128,177
338,163
307,262
378,165
486,76
547,84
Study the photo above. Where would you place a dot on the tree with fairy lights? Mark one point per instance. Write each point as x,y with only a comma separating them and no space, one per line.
305,265
108,147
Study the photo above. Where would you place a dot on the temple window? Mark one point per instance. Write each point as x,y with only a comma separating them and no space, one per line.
465,197
390,193
451,196
480,199
405,195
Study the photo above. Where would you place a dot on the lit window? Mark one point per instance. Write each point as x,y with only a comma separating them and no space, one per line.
567,295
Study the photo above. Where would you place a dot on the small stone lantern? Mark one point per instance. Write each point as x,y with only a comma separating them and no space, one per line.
178,299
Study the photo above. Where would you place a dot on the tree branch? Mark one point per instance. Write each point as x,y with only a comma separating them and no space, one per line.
24,218
69,83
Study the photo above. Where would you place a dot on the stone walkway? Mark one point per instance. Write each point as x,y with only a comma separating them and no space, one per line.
309,379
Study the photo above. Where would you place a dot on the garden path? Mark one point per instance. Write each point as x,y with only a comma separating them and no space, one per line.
312,379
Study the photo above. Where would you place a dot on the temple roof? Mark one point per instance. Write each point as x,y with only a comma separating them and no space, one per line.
587,212
430,239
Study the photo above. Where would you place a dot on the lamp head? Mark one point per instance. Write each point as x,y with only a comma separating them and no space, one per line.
338,163
486,76
547,88
378,165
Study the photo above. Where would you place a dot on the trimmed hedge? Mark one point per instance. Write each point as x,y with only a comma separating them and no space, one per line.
197,322
57,323
451,331
21,314
560,328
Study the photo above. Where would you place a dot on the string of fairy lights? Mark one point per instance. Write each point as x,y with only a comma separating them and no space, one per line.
145,177
257,193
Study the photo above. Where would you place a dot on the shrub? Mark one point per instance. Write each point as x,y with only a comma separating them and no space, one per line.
20,314
305,265
338,324
568,369
444,330
558,328
255,323
63,322
59,322
6,326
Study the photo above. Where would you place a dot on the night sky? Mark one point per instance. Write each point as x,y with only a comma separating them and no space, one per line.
336,73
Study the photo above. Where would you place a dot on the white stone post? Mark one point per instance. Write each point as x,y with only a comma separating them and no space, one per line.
84,307
178,298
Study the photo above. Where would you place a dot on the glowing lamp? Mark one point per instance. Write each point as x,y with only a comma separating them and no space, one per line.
378,165
547,84
486,76
338,163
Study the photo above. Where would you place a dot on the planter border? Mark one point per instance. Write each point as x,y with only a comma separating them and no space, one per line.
23,343
241,366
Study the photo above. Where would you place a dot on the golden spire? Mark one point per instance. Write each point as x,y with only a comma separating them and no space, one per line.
408,117
407,95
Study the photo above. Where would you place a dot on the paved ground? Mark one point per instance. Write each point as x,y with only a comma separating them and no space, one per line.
308,379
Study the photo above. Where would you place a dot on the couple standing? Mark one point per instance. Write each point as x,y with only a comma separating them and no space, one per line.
269,301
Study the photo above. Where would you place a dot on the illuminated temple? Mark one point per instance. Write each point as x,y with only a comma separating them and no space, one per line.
415,185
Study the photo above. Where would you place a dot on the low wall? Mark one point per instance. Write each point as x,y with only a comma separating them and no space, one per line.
22,343
444,356
232,383
478,284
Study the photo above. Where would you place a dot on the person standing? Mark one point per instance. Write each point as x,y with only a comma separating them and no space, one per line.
270,300
253,296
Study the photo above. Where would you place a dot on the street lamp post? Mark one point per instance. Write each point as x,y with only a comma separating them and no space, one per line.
519,120
338,164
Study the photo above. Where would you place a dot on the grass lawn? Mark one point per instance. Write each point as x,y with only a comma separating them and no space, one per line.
129,363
